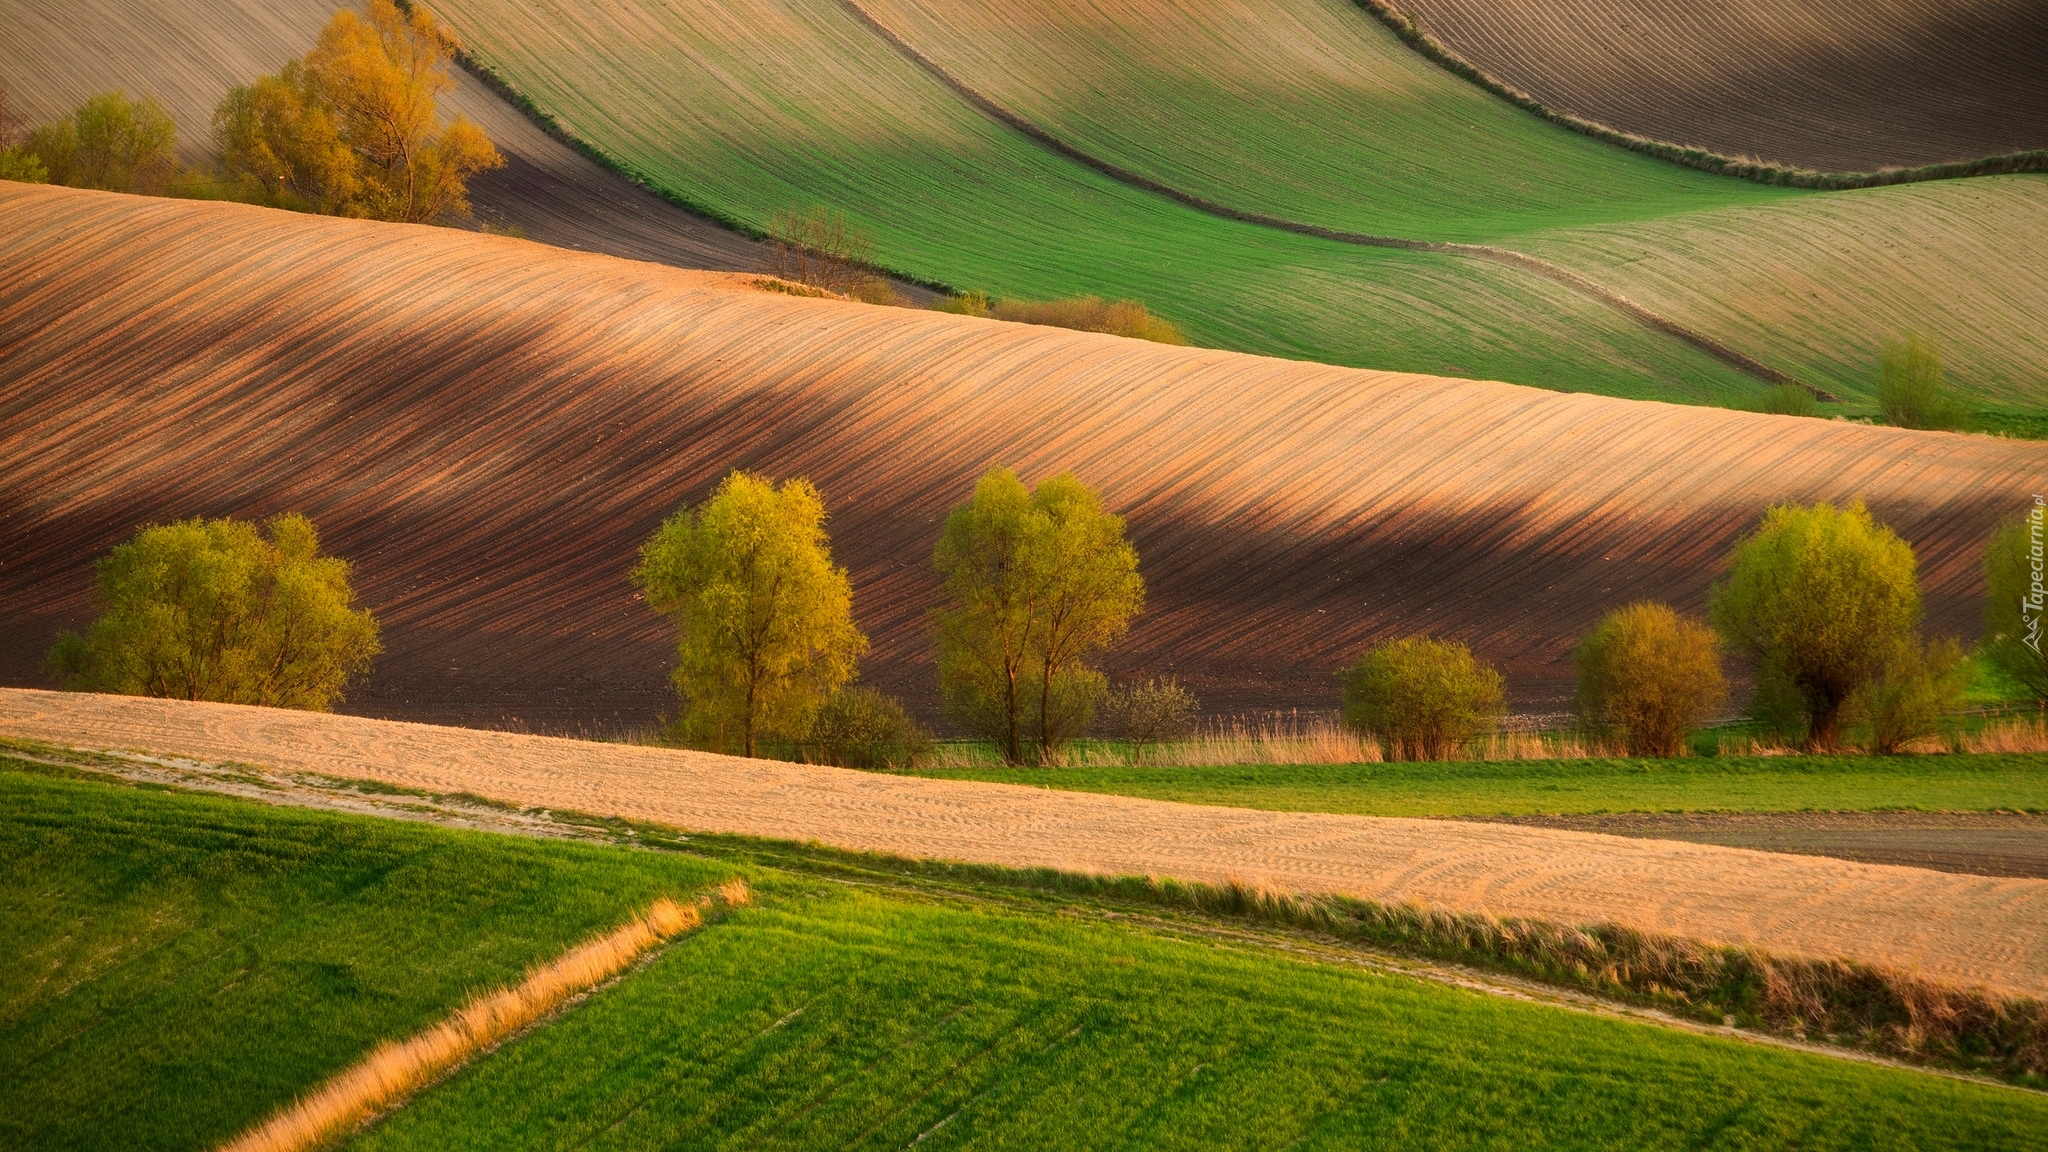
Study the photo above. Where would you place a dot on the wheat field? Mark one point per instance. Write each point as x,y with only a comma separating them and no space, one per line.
1836,85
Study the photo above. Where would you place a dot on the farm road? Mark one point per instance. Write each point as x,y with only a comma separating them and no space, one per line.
1962,929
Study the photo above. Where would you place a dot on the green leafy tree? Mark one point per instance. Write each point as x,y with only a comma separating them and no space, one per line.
2016,601
213,610
1649,676
1422,699
1037,583
1910,390
765,618
1821,598
111,143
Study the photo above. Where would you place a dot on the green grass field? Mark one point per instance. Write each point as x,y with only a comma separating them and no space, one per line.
799,106
1557,787
176,965
1311,111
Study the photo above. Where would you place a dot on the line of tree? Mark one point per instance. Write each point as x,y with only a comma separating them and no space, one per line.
1037,584
353,128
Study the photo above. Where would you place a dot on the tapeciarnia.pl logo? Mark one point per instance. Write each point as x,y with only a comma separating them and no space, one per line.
2036,599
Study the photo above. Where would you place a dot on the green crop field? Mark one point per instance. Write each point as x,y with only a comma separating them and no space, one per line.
177,965
1558,787
1308,110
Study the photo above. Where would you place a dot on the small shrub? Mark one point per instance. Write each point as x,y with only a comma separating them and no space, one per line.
1786,400
1150,713
966,304
1092,314
861,728
1422,699
818,248
1910,391
1649,676
1920,687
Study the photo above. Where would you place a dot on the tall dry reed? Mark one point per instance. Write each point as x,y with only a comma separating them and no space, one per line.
2009,734
395,1070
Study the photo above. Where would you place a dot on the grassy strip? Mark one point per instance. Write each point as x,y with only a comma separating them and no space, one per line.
1404,26
1846,1003
1977,782
392,1073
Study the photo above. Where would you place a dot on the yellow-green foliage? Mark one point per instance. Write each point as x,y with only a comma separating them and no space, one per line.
110,142
1910,391
1919,688
354,129
16,162
1649,676
211,610
2016,600
1821,598
1089,314
766,618
1037,582
861,728
1422,699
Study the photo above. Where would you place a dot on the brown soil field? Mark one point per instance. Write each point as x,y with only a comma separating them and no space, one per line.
488,428
1962,929
1979,843
187,56
1834,85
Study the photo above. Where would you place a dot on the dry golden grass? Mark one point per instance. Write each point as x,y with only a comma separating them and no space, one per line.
395,1070
2009,734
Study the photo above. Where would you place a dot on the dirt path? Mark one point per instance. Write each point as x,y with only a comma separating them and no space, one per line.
1973,930
1979,843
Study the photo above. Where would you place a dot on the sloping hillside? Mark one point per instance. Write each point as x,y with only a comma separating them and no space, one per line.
490,427
187,56
1837,85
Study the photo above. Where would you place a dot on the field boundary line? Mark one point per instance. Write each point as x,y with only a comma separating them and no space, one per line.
1741,362
1281,934
1409,31
394,1071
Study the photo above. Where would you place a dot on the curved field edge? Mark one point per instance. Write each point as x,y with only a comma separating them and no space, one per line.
1836,1008
1958,930
1762,172
953,197
1506,257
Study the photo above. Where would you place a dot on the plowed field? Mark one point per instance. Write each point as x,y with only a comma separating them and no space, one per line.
1963,929
187,56
489,428
1838,85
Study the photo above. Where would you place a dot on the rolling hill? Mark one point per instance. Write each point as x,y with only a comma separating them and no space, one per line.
1835,85
187,56
918,118
489,428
